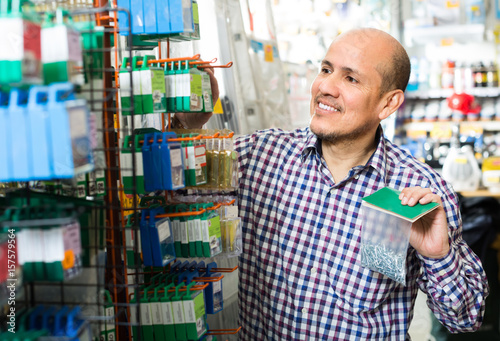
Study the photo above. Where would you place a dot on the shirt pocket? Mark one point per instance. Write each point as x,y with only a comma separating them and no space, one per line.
362,289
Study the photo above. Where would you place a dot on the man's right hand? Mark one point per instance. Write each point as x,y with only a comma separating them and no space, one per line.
197,120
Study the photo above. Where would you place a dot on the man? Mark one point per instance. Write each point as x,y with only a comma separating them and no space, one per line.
300,195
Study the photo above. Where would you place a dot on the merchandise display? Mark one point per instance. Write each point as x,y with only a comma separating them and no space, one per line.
87,140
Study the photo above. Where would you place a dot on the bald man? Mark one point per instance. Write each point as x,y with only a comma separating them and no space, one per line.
300,193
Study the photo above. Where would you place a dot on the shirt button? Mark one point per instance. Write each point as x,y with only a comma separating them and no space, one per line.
323,231
356,176
313,271
304,310
442,273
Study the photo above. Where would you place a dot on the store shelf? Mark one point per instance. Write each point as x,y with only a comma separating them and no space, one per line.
437,34
481,193
428,126
444,93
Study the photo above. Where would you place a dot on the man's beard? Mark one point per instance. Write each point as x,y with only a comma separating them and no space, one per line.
342,138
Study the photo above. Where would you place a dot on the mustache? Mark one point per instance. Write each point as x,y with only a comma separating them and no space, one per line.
327,101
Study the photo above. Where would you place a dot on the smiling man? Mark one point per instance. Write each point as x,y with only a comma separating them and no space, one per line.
300,195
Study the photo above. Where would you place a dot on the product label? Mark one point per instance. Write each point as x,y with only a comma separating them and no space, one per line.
178,310
207,93
197,230
158,90
204,231
168,317
157,313
146,82
175,157
196,93
11,39
146,315
55,44
184,232
163,227
170,86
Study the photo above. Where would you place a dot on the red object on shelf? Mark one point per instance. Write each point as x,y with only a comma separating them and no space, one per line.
464,103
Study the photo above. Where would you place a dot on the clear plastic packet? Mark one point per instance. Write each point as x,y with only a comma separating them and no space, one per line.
384,243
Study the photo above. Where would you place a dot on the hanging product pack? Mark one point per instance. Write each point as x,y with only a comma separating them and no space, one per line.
20,59
62,57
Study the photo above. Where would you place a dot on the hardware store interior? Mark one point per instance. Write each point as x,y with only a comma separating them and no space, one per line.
98,237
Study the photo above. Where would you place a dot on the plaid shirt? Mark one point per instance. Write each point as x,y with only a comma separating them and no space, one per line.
300,272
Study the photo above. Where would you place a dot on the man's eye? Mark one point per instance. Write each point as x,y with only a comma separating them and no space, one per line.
325,70
351,80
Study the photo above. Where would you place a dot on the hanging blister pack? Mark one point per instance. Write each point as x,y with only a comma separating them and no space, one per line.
125,87
171,163
127,166
152,87
170,84
61,144
213,293
5,139
20,139
38,129
79,126
62,56
20,55
162,239
147,161
147,258
201,91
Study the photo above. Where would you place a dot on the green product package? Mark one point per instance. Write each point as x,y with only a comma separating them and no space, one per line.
170,83
168,314
157,315
213,229
146,320
127,167
192,235
20,59
179,88
178,313
184,235
152,87
190,164
62,56
137,86
125,87
108,329
201,91
194,313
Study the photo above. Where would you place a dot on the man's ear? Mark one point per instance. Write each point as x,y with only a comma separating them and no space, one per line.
391,102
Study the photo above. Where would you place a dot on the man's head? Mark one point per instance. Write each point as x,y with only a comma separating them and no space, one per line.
362,81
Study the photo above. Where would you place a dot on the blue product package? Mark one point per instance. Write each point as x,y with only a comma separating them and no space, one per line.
162,241
20,140
137,16
5,139
156,161
59,129
213,292
172,163
163,16
147,163
39,131
150,25
123,16
176,16
145,242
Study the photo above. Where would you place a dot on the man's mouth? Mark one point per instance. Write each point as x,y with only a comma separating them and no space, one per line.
327,107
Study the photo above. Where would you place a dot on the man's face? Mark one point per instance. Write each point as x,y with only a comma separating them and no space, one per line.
345,96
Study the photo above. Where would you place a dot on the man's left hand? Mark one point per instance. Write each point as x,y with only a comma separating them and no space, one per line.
429,234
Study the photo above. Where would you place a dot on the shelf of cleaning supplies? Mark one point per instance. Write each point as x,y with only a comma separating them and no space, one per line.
449,33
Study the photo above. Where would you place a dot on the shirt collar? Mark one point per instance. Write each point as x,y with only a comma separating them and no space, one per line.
377,161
